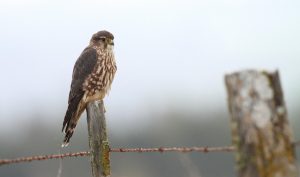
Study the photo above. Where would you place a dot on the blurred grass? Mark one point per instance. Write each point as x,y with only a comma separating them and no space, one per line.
173,129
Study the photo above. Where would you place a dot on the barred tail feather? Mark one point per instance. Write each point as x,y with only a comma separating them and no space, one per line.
71,118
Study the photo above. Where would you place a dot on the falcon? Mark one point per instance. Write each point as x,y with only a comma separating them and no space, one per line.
92,76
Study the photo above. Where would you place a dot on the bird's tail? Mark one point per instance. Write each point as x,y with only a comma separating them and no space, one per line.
72,116
69,133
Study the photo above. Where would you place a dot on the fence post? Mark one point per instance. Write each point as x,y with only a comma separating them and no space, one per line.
98,140
260,130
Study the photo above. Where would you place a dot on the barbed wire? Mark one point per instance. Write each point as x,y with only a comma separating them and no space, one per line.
177,149
140,150
204,149
43,157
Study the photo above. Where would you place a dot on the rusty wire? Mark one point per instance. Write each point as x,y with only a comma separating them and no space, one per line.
139,150
176,149
43,157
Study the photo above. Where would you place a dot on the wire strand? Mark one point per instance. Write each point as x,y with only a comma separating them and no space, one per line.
204,149
176,149
140,150
43,157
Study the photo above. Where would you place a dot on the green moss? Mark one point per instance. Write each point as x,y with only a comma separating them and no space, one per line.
105,158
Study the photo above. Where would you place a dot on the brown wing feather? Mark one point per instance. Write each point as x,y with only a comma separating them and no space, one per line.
83,67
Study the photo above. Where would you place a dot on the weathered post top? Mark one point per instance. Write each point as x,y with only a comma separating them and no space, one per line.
260,129
98,140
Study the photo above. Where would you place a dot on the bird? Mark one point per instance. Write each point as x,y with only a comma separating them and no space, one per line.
93,74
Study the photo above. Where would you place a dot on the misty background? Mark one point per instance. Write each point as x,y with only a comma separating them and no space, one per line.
168,91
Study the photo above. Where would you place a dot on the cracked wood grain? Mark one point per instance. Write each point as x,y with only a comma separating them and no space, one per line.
98,140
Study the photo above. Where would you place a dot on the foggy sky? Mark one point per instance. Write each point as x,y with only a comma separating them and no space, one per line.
170,54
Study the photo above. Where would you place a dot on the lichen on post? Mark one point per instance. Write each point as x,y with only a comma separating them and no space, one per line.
98,141
260,130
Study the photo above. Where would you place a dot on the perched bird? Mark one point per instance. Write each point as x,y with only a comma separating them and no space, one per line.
92,76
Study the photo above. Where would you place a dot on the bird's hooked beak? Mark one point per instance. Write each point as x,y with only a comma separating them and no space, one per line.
111,42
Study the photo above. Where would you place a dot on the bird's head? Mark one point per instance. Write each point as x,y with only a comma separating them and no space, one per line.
103,39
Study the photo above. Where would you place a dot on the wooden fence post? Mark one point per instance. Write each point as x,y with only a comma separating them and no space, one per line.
98,140
260,129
